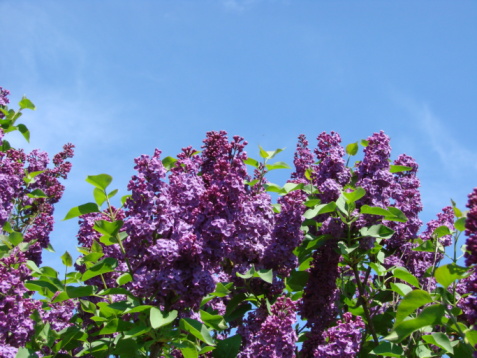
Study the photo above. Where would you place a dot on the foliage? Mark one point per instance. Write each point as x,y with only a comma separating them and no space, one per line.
198,261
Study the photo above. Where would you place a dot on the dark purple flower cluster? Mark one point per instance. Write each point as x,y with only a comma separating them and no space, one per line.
320,296
342,340
270,336
16,326
471,257
194,224
287,234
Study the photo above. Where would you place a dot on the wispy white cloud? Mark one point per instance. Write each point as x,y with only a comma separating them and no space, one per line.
435,134
244,5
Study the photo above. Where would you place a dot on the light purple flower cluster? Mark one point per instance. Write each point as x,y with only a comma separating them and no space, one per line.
11,174
3,100
330,175
342,340
471,257
303,158
373,172
270,336
407,198
16,326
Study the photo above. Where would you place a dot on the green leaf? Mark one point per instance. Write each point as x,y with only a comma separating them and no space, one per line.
99,196
277,165
460,224
188,349
24,131
439,339
377,231
352,148
160,319
124,198
67,259
254,163
103,266
374,210
400,288
25,353
37,193
197,329
107,227
25,103
263,153
79,291
265,275
168,162
288,187
397,215
411,302
442,231
228,348
39,285
355,195
274,188
15,238
248,274
447,274
112,193
399,168
403,274
297,280
100,181
216,322
388,349
110,327
320,209
429,316
221,290
81,210
123,279
364,142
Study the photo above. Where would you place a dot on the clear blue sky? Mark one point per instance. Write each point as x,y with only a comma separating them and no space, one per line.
120,78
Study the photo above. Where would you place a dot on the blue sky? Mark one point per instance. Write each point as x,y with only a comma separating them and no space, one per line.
120,78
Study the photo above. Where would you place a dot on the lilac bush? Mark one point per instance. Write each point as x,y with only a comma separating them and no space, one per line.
201,260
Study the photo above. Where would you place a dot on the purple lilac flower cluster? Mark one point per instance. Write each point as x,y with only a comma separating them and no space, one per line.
471,258
3,100
342,340
194,224
16,326
270,336
27,205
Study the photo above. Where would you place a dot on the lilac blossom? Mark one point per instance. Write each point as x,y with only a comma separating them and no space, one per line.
303,158
407,198
287,234
330,175
270,336
320,295
373,171
471,258
417,262
342,340
16,326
